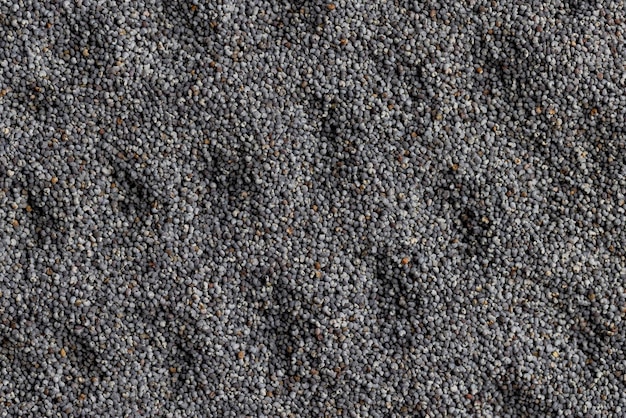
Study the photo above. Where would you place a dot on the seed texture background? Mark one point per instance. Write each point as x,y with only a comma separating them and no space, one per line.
307,208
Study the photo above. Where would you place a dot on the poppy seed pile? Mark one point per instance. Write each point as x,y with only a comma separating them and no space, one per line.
306,208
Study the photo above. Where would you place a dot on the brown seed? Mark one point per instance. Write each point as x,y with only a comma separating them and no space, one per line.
455,167
594,111
344,42
479,70
406,260
15,222
54,180
317,265
63,352
240,355
172,370
331,6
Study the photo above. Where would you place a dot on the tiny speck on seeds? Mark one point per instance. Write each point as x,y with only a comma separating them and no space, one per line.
54,180
240,355
406,260
331,6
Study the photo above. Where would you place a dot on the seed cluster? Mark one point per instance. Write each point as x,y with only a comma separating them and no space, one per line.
312,208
